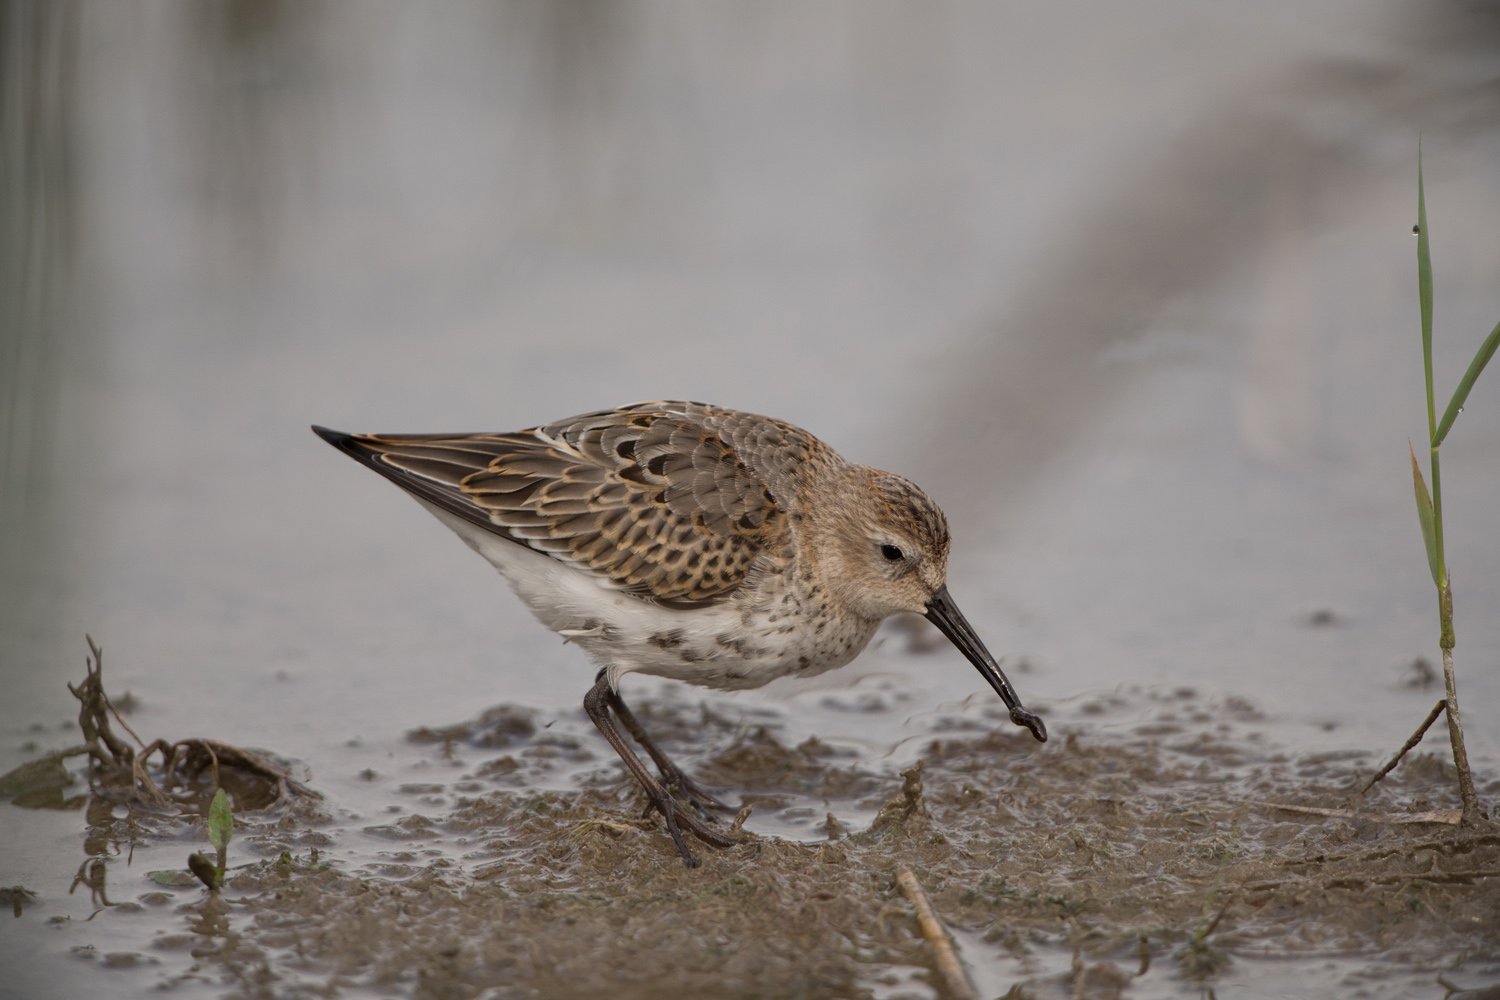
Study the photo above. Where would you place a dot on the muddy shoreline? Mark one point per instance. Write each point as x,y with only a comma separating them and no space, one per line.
1153,860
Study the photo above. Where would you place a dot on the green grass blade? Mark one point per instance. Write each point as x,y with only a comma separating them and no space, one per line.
1424,293
221,820
1481,358
1424,514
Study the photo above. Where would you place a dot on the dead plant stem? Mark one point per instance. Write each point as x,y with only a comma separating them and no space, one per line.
1406,747
1472,817
955,979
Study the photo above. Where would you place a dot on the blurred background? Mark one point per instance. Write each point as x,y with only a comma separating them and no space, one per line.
1130,289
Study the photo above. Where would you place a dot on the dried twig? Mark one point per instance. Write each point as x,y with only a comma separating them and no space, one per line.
93,713
247,760
738,826
1416,738
120,718
214,758
1450,816
143,787
1461,877
955,979
1432,877
114,756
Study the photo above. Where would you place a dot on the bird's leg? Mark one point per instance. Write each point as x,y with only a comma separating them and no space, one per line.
673,775
597,704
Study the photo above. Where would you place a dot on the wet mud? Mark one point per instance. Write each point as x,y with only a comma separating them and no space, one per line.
1150,856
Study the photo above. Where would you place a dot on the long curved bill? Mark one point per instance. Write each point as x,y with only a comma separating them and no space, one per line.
943,613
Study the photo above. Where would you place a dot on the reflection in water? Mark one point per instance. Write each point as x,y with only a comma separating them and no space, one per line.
246,71
38,57
1163,234
1240,185
94,874
1274,394
39,187
581,105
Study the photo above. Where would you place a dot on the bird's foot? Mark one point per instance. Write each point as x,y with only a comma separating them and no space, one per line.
678,819
676,781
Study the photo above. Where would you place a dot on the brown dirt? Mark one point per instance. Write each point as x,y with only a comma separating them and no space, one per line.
1143,848
1167,844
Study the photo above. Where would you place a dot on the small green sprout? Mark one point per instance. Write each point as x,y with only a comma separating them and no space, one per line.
220,827
200,867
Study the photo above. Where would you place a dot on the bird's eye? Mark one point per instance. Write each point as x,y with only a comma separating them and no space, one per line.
891,552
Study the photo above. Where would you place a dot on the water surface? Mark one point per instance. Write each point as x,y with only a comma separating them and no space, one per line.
1129,291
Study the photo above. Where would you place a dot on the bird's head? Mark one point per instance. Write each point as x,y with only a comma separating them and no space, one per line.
884,550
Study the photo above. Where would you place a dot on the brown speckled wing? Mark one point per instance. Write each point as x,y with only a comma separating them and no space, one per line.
658,498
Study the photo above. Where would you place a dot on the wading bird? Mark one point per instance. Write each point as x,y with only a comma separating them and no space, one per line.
689,541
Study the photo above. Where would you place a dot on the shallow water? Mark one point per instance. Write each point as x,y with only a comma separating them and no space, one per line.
1130,293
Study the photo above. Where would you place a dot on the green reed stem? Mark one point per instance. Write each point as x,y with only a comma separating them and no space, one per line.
1430,509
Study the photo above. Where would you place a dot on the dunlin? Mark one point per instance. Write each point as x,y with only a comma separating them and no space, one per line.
689,541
